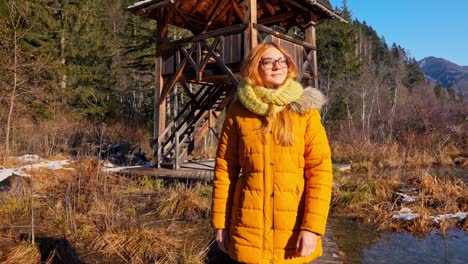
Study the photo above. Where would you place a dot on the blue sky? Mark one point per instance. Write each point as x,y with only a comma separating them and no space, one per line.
423,27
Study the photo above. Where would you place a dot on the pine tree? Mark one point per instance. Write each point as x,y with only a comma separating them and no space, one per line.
438,89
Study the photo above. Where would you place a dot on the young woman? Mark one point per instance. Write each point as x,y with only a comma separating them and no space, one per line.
273,175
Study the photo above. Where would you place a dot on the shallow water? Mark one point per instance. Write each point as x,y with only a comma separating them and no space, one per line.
361,244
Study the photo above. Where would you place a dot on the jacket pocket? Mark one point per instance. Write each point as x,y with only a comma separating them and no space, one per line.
237,201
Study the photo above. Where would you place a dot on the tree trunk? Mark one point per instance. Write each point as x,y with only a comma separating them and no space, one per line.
63,83
13,93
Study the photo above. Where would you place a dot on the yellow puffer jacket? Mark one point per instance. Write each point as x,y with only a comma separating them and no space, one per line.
280,190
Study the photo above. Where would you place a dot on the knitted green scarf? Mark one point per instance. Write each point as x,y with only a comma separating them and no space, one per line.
266,101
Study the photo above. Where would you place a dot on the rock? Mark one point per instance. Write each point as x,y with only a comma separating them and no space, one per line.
13,184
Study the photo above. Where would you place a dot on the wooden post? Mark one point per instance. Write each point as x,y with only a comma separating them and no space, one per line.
250,17
310,37
176,151
159,116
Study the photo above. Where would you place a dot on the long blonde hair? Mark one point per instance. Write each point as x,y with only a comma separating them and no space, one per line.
280,124
250,68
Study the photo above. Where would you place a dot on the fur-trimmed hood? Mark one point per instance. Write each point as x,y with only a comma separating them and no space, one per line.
311,98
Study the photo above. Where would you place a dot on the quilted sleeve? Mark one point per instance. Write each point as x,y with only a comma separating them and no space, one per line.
318,175
226,173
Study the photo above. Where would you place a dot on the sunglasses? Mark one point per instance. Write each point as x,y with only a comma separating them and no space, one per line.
269,63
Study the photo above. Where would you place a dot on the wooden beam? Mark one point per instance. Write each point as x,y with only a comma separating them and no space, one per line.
278,18
250,17
190,59
224,68
192,10
286,6
159,103
215,33
269,7
212,14
311,38
223,12
296,4
202,132
230,17
177,75
187,25
165,24
239,13
208,56
270,31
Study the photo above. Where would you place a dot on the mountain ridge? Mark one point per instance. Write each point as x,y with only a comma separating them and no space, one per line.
446,72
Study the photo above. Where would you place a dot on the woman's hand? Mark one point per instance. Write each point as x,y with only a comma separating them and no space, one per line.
306,243
222,239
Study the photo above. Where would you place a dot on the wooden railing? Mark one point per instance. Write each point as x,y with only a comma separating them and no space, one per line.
185,131
224,45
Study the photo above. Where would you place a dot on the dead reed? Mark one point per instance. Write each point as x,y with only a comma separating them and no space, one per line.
109,216
376,197
23,253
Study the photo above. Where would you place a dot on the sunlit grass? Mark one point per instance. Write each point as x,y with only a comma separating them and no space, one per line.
372,198
23,253
109,216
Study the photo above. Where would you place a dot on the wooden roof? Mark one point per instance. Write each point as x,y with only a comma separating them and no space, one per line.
206,15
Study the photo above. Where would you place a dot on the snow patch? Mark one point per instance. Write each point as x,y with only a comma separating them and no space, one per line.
406,198
50,164
342,167
405,214
459,215
29,158
406,217
116,169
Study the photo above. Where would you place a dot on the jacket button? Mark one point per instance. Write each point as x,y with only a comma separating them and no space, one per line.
271,261
272,195
272,164
272,228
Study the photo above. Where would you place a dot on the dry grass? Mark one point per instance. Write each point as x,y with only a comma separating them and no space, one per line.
393,155
23,253
139,246
372,197
183,203
145,219
65,133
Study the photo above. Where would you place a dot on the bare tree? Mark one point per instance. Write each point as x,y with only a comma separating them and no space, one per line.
13,22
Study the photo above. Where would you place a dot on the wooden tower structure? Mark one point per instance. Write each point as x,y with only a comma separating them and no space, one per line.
224,31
